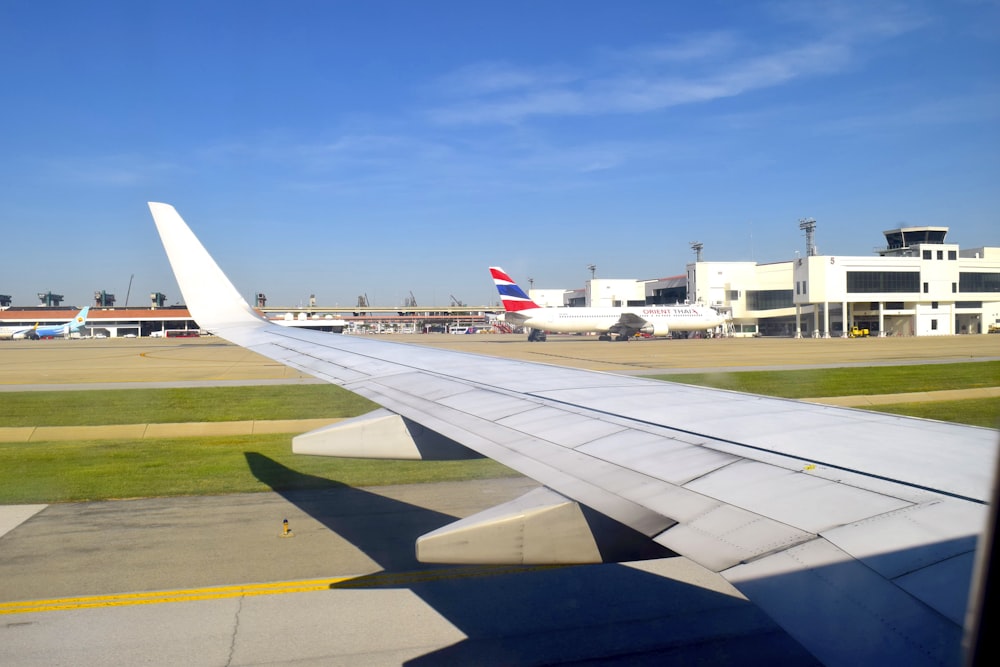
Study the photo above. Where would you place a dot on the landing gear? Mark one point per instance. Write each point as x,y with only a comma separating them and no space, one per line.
536,336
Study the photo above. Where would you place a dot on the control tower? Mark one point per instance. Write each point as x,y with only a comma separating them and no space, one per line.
903,241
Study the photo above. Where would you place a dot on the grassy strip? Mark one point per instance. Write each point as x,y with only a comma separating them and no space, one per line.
974,411
850,381
211,404
98,470
163,406
48,472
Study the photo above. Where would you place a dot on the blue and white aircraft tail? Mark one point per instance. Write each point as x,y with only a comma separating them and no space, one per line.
37,331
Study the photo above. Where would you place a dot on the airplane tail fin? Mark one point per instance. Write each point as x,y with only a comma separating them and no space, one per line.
513,297
80,319
212,300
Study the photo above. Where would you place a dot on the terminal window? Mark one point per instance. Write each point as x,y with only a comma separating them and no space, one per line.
979,282
869,282
770,299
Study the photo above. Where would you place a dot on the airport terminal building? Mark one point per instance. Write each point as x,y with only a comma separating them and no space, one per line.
916,284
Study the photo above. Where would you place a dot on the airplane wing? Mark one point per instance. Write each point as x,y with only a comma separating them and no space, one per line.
855,531
629,324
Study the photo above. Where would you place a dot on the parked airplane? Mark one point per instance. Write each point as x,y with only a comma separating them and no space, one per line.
626,322
48,331
856,531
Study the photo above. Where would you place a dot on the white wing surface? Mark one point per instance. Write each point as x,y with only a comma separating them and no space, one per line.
855,531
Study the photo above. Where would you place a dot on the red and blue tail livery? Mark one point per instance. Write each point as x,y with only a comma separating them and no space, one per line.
513,297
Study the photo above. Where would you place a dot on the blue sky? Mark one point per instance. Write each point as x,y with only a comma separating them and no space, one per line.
384,147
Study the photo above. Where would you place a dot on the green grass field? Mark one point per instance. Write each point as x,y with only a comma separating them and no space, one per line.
167,406
99,470
70,471
850,381
974,411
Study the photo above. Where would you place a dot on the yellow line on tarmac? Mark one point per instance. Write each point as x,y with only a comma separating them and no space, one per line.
158,597
388,579
377,580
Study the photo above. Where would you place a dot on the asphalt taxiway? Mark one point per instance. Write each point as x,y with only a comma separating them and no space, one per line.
213,581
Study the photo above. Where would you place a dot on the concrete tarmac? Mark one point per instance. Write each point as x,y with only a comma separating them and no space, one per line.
344,590
210,580
120,363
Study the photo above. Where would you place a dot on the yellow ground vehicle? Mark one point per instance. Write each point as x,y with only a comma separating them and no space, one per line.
858,332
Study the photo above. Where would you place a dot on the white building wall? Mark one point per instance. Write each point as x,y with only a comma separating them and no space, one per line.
725,284
930,321
712,283
548,298
608,293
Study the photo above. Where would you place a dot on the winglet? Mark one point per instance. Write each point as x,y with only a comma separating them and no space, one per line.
513,297
213,301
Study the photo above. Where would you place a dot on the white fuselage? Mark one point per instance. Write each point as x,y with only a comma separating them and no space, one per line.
661,320
13,333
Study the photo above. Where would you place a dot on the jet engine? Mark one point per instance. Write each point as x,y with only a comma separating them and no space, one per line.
658,329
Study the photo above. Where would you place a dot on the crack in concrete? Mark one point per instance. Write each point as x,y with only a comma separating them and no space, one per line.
236,630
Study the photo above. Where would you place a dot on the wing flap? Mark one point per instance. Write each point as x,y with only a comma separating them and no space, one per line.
927,550
727,535
845,612
797,498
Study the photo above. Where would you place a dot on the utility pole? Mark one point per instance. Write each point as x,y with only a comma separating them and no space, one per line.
697,247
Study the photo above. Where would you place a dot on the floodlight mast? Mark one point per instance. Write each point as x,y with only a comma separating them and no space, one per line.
808,225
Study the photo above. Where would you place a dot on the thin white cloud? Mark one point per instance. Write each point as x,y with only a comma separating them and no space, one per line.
685,70
638,93
853,19
704,46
